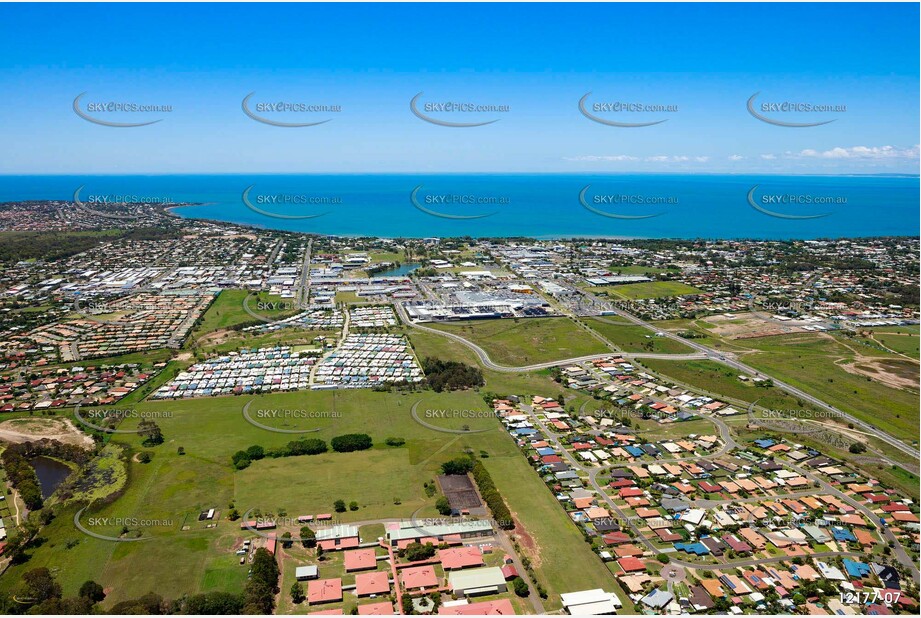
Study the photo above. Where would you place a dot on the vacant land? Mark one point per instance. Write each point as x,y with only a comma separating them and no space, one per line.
170,491
904,340
723,381
814,363
651,289
633,338
518,342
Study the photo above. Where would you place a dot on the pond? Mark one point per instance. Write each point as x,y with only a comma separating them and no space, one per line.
50,474
399,271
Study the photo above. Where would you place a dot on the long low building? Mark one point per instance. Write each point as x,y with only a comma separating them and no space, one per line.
412,531
473,582
595,602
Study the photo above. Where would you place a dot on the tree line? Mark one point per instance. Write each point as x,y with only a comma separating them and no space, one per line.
305,446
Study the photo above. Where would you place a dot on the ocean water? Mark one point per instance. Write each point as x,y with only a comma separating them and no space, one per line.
533,205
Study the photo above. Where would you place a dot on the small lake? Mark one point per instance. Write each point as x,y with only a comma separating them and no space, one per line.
50,474
399,271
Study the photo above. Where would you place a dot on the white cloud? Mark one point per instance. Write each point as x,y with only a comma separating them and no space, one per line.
736,157
768,157
857,152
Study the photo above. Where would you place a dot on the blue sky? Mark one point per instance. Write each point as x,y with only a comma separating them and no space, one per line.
539,60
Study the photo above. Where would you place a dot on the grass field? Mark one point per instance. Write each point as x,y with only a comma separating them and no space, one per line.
227,311
651,289
808,362
904,340
172,489
722,381
633,338
528,341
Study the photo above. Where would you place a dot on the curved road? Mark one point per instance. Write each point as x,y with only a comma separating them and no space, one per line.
721,357
489,364
703,352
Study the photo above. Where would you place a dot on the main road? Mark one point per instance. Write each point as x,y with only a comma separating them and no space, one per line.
701,352
725,359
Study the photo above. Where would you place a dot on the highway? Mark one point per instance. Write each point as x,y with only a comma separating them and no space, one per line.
702,352
723,358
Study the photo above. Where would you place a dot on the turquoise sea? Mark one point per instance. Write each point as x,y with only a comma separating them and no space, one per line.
534,205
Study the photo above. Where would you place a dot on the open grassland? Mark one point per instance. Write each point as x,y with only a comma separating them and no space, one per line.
722,381
518,342
633,338
227,311
650,289
170,491
809,362
904,340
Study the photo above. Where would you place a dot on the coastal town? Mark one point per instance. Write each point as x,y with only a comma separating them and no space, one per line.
655,400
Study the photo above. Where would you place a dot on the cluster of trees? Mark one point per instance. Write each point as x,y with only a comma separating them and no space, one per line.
52,246
339,506
443,375
40,593
304,446
22,476
151,433
458,465
262,586
351,442
417,551
492,497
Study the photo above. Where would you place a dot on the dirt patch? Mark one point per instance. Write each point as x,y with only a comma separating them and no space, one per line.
748,326
527,543
18,430
898,374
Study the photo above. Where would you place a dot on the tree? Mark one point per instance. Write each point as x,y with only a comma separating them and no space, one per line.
286,540
663,558
180,450
308,536
353,506
417,551
255,452
40,585
213,604
297,593
443,505
459,465
351,442
92,591
857,448
520,587
150,432
144,457
339,505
